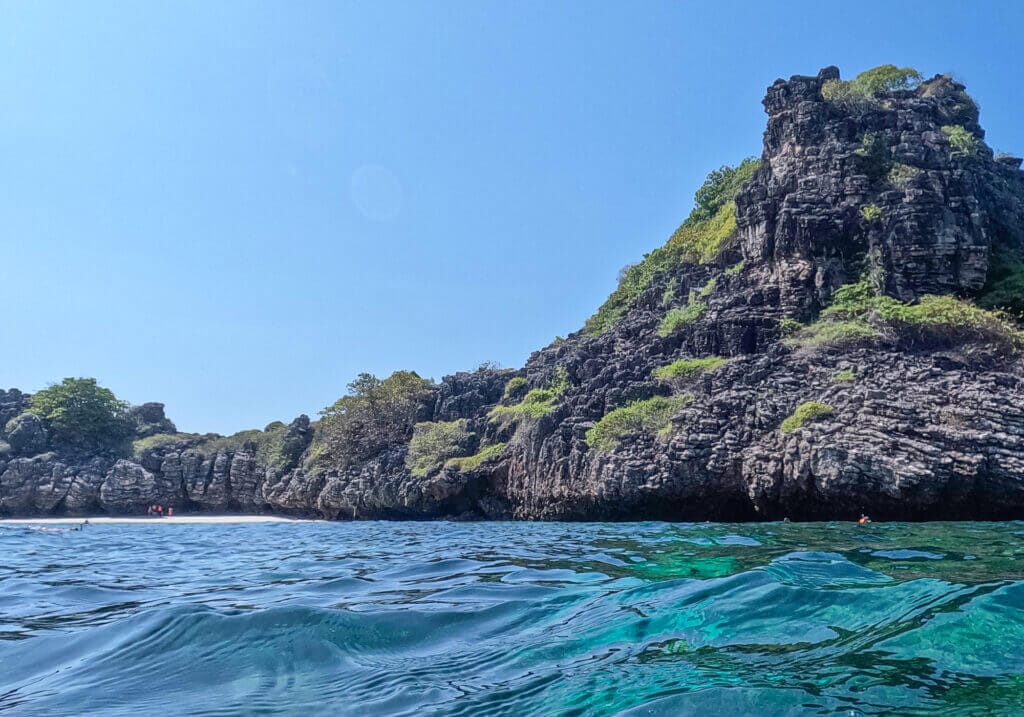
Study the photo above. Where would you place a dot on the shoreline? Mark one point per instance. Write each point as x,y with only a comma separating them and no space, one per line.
176,520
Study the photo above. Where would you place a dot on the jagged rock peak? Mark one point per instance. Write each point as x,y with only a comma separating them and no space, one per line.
896,183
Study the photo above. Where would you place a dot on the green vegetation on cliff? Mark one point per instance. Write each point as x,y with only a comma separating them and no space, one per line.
685,315
268,447
823,333
809,411
871,213
901,174
961,140
536,403
681,316
871,83
471,463
688,368
858,313
433,443
82,415
515,388
377,413
650,415
1005,286
273,449
697,240
142,445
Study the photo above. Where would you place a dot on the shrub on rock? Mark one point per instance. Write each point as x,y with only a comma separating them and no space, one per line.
869,84
434,442
471,463
961,140
375,415
681,316
515,388
699,239
688,368
651,415
808,411
82,415
857,312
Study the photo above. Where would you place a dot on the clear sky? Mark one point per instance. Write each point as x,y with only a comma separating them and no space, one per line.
235,207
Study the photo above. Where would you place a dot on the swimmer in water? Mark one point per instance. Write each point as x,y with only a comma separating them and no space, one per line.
863,519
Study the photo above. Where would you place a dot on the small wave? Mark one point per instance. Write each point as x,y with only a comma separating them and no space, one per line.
400,619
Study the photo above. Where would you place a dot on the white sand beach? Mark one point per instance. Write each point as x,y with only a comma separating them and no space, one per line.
175,520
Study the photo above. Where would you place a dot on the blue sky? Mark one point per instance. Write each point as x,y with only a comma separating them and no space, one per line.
235,207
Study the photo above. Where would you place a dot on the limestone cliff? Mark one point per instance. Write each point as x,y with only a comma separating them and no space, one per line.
840,295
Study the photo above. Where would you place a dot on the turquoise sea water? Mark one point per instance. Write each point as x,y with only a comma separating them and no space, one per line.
513,619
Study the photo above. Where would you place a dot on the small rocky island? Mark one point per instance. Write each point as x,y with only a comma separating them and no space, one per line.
834,329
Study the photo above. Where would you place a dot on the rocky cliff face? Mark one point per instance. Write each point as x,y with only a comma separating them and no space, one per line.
920,406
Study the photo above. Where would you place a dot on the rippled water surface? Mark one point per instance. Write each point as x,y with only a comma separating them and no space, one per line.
513,619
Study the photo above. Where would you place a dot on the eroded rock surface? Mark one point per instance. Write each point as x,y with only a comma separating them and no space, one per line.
916,430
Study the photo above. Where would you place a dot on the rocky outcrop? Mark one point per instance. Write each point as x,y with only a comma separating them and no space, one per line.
26,434
823,163
900,190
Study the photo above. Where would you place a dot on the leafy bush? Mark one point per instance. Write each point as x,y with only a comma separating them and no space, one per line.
515,388
845,375
870,84
822,333
1004,288
789,326
682,316
961,140
688,368
559,381
471,463
536,403
809,411
720,187
669,295
871,213
735,268
887,78
272,447
902,174
82,415
952,313
375,414
873,156
708,288
647,416
856,310
697,240
836,91
433,443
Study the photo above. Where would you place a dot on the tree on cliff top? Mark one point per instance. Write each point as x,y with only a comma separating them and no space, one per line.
698,239
377,413
82,415
870,84
719,188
